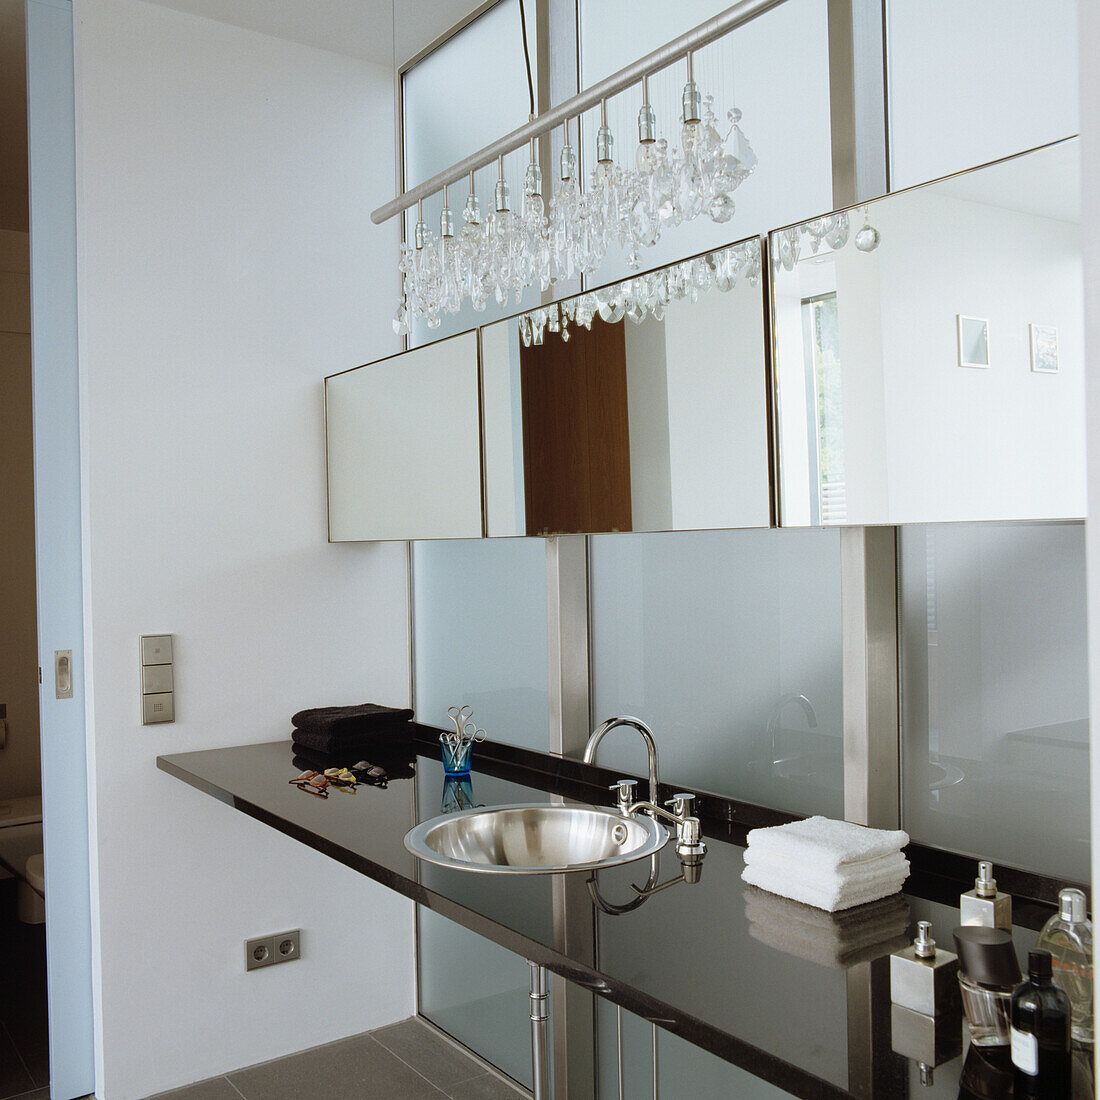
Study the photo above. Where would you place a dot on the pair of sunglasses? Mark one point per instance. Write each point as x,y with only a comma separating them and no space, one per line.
370,773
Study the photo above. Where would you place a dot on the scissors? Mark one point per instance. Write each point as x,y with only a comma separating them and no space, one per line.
461,717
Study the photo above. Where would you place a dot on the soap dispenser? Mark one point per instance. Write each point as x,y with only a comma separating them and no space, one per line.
925,978
985,905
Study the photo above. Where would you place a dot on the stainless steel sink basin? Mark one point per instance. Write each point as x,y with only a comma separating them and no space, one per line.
535,839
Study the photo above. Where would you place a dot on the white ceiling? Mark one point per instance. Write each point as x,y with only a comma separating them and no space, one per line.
358,28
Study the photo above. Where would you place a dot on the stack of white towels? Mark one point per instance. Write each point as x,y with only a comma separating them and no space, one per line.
828,864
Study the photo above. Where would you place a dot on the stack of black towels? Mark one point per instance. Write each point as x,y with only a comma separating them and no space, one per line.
367,729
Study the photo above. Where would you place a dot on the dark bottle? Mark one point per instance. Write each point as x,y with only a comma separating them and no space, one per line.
1041,1018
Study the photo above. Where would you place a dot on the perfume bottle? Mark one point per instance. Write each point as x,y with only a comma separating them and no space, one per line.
985,905
988,973
1068,938
1041,1014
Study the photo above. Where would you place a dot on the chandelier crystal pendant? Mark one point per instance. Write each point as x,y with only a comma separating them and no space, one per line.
542,243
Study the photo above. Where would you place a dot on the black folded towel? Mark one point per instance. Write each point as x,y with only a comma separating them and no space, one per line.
342,721
340,730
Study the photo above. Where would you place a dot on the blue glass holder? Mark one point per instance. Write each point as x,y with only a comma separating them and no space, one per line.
456,755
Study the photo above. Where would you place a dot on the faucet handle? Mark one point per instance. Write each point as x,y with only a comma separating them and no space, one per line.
681,803
625,791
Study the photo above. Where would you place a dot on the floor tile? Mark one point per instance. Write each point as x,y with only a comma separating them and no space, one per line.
14,1078
352,1069
432,1057
485,1087
41,1094
216,1088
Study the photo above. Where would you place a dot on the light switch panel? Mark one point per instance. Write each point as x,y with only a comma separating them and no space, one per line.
156,649
158,703
157,708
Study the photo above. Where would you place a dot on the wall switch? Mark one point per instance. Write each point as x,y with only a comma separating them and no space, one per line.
156,649
63,673
157,708
155,679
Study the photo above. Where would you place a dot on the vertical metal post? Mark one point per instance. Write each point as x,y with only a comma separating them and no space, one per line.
540,1048
870,659
655,1066
619,1048
857,100
567,634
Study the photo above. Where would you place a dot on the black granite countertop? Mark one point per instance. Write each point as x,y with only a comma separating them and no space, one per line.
792,995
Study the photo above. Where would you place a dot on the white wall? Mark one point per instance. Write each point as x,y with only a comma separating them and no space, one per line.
973,81
226,265
718,423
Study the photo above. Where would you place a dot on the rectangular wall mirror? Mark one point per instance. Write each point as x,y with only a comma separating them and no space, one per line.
880,316
404,446
639,407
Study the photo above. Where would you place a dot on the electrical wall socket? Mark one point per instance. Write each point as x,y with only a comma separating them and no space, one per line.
259,952
268,950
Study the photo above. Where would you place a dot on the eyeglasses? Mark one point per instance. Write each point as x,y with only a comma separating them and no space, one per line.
312,783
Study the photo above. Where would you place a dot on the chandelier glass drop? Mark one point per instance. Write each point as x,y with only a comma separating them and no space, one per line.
625,206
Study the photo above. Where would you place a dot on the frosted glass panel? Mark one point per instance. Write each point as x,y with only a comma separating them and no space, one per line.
684,1071
480,636
477,992
462,96
728,643
995,746
775,69
972,82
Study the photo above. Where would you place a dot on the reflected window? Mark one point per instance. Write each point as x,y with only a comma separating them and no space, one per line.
821,333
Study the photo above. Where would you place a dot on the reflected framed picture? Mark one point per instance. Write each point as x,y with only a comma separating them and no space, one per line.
973,341
1044,349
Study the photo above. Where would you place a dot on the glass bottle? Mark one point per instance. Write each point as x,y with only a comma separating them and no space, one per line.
1041,1015
1068,938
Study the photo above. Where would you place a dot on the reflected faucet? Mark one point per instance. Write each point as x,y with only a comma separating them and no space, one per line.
777,711
647,736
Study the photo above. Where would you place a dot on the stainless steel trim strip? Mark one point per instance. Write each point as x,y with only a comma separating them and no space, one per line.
702,35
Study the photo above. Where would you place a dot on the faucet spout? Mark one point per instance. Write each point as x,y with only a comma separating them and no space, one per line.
646,734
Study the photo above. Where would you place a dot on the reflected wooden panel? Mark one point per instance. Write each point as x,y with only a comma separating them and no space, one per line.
576,435
647,423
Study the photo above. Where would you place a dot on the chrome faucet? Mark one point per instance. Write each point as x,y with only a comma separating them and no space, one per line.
689,833
777,711
647,737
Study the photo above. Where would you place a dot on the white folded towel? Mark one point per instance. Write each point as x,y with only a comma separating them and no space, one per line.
831,898
826,844
851,874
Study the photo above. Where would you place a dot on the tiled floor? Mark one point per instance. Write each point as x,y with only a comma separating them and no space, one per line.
406,1061
24,1046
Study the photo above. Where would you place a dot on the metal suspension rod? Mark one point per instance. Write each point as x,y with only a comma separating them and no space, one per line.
540,1047
661,58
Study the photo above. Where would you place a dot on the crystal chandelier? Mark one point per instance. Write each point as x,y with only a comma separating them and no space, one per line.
831,232
646,295
626,206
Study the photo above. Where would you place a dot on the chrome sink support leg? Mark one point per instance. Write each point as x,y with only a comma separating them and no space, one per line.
540,1017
